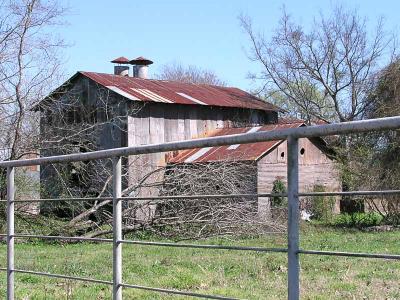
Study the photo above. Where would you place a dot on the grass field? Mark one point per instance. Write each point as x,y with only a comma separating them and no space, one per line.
248,275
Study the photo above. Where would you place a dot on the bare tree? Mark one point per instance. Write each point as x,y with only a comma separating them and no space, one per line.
189,74
325,71
29,67
70,124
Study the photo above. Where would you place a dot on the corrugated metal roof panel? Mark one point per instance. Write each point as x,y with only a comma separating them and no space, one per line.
121,92
251,130
240,152
151,95
197,101
181,93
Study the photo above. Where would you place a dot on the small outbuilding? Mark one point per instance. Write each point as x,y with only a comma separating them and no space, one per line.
268,161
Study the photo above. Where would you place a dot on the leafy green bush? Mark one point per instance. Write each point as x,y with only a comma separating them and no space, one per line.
278,187
358,220
322,206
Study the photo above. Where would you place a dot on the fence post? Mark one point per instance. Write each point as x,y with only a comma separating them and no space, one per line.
293,218
10,232
117,230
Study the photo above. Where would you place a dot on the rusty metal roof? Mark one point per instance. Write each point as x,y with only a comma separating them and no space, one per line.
165,91
120,60
239,152
141,61
290,120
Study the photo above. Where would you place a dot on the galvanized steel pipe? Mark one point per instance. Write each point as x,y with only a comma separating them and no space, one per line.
245,138
293,218
10,232
117,230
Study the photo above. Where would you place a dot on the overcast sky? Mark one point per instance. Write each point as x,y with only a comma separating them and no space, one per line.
205,33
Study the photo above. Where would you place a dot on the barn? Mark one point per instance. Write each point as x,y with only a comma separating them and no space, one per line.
128,109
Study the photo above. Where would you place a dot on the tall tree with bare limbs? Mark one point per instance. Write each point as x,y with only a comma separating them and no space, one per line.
30,61
325,71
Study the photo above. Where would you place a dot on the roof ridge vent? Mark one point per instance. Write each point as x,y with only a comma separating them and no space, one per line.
121,68
140,67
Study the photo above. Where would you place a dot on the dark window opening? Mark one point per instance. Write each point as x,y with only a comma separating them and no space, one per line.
282,154
302,150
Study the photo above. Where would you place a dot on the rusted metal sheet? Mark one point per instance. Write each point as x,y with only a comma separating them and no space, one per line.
243,152
138,89
120,60
141,61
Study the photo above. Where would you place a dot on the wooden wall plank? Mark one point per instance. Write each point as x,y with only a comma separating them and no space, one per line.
315,168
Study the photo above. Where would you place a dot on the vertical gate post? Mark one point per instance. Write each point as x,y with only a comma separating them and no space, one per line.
117,230
10,232
293,218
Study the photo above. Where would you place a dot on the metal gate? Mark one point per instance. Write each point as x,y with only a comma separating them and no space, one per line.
293,250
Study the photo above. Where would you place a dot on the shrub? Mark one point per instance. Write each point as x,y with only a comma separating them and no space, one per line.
358,220
278,187
322,206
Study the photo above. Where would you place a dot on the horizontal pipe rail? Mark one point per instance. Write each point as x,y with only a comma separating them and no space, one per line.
180,197
106,282
147,243
64,276
218,247
351,254
351,193
175,292
59,199
387,123
66,238
301,194
193,197
199,246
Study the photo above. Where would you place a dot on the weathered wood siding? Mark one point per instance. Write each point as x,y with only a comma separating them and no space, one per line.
159,123
315,168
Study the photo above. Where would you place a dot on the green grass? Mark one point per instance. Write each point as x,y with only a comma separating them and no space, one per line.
247,275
